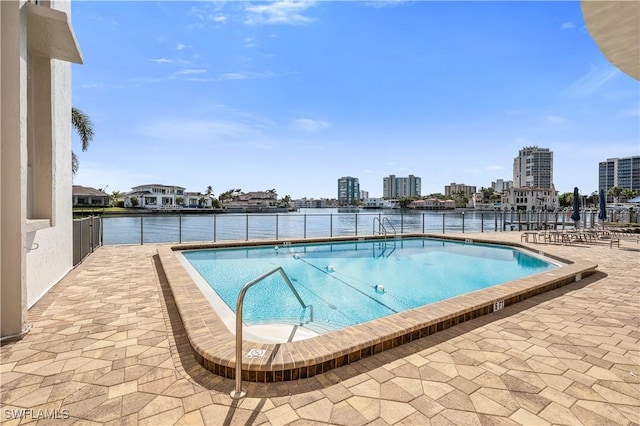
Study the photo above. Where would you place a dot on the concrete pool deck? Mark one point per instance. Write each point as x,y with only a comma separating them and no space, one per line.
108,347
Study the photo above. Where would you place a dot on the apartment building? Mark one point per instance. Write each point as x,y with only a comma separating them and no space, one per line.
623,172
533,168
348,190
399,187
455,188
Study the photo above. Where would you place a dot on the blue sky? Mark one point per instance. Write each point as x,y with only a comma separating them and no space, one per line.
293,95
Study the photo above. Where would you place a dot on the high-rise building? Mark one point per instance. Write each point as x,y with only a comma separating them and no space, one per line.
501,185
348,190
623,172
455,188
533,168
399,187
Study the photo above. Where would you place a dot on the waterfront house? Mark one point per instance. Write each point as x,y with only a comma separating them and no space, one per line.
432,204
84,196
37,46
311,203
252,202
154,196
373,203
530,199
196,200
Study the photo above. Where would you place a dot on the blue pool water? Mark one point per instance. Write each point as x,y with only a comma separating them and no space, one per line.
339,280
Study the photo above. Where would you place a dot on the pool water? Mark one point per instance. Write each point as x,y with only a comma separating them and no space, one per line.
347,283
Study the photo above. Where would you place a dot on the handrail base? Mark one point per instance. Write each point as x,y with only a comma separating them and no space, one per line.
238,395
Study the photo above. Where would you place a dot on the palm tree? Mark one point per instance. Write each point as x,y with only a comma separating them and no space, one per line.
84,127
208,195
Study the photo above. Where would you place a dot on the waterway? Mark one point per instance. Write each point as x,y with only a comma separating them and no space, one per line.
306,223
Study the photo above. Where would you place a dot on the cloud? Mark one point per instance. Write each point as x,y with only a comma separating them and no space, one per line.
591,82
493,168
308,125
289,12
198,131
554,119
567,25
188,71
181,46
162,61
249,42
219,19
378,4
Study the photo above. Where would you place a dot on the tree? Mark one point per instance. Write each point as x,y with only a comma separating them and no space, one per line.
84,127
615,192
460,198
286,200
208,195
114,197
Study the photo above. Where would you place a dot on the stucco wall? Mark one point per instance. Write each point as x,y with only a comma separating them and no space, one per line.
53,257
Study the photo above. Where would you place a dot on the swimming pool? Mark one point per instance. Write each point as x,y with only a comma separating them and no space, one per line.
214,343
349,283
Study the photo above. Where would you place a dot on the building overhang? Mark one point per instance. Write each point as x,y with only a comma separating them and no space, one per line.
615,27
49,34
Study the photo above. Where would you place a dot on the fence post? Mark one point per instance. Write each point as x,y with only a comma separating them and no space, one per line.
463,222
214,227
91,233
81,251
423,223
141,230
481,222
180,228
101,231
247,226
305,227
356,224
276,226
443,223
401,223
331,224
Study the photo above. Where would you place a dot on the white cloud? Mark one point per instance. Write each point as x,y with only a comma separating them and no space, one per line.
592,81
219,19
249,42
279,12
162,61
493,168
567,25
555,119
309,125
199,71
181,46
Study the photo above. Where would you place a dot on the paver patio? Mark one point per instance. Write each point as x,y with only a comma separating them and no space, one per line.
108,347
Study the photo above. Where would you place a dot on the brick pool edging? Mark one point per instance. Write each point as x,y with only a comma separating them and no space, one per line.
214,344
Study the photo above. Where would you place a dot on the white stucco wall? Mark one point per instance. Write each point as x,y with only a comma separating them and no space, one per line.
53,257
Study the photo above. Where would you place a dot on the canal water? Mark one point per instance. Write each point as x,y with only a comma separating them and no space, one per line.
308,223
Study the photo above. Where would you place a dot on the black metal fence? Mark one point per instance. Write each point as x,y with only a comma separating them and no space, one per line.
87,233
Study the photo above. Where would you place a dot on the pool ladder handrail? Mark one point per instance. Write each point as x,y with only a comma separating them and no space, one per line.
382,230
239,393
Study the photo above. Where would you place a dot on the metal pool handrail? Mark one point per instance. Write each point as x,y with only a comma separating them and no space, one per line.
239,393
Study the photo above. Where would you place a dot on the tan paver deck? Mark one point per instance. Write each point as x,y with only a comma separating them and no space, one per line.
108,347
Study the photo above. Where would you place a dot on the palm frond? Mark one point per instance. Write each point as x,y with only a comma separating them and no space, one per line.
83,125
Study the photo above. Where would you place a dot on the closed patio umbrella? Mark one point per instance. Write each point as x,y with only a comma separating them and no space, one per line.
602,214
575,215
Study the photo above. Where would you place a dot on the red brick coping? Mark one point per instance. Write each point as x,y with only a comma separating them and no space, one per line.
214,344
